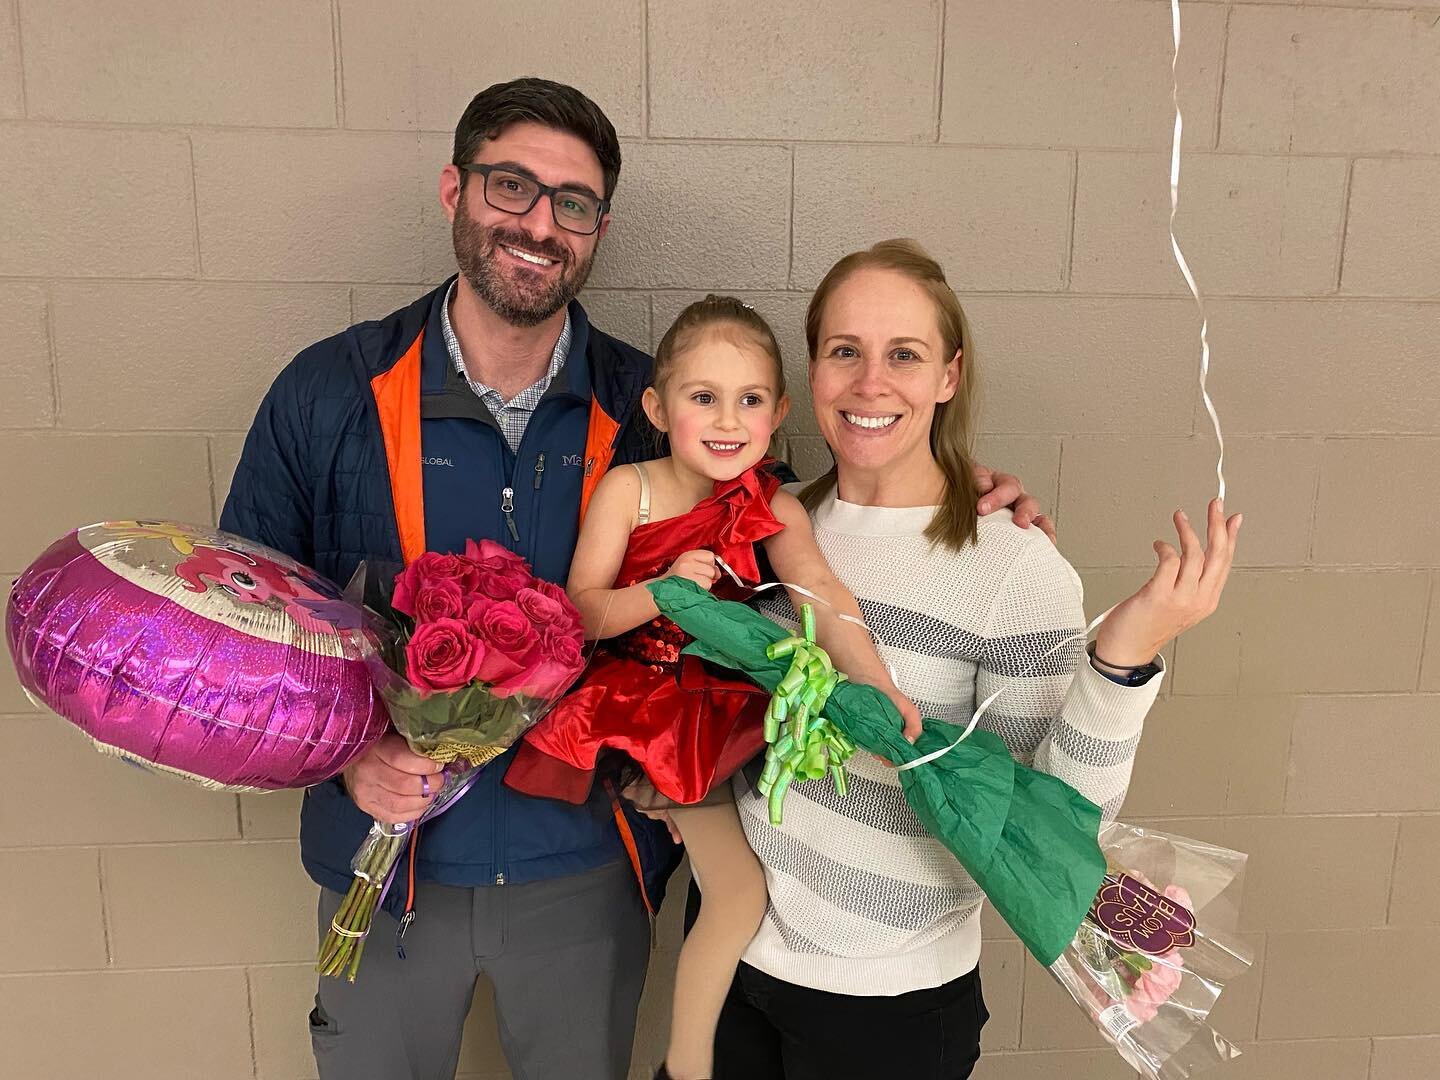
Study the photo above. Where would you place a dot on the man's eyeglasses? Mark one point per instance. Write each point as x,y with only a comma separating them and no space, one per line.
575,211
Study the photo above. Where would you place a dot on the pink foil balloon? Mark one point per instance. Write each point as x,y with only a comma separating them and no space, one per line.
198,653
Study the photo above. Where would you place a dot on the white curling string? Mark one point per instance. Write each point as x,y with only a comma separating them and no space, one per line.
1204,387
810,595
1180,256
1081,635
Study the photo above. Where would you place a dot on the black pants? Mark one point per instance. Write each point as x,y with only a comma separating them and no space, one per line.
774,1030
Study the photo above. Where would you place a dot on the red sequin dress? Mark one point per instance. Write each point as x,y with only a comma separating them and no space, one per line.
681,721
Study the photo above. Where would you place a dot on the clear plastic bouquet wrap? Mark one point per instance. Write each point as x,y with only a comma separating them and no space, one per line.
481,650
1156,948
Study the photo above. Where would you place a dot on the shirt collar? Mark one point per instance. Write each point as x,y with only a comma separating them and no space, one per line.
452,346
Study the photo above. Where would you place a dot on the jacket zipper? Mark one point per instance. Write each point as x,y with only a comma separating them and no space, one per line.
507,505
539,471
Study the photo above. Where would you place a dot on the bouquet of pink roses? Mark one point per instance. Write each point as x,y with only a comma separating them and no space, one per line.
482,649
1156,949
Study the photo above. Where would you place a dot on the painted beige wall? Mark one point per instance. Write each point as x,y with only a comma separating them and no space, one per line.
191,191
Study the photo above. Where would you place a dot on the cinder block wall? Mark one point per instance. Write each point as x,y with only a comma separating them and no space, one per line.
192,191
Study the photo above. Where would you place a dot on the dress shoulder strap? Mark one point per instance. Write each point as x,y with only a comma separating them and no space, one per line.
644,511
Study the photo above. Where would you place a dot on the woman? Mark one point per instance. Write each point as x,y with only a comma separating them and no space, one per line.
866,964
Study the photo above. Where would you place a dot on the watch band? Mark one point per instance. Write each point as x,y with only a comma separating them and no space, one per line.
1136,676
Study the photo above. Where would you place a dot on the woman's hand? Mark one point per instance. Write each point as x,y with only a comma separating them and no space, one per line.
697,566
1184,589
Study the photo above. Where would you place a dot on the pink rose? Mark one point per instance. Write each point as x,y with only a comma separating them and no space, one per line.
440,600
503,582
442,655
556,593
542,611
562,659
1155,986
432,568
502,573
489,553
512,644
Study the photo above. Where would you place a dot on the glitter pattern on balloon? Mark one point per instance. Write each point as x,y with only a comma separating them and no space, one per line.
197,653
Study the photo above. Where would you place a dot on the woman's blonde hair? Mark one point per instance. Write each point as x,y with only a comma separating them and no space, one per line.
952,430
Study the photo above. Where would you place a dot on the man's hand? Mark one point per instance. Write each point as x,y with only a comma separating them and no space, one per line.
998,490
391,782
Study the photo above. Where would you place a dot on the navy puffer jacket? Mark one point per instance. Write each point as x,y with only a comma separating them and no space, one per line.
331,475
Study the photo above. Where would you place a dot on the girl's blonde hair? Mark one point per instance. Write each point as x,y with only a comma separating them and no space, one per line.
720,313
952,430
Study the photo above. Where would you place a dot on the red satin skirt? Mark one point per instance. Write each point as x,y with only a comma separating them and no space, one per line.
686,726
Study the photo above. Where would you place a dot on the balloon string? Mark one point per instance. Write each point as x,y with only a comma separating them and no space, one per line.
1180,255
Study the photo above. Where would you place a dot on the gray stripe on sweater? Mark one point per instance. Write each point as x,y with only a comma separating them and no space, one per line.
904,905
1088,750
1013,656
871,803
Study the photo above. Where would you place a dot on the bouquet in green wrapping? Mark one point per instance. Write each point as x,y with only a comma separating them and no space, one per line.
1105,908
1026,837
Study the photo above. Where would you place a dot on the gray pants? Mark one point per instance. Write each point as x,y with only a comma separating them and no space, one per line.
566,957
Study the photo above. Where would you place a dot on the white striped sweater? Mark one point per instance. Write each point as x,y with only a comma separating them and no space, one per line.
862,900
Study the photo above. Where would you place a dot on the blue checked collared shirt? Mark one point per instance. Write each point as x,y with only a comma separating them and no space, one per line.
512,415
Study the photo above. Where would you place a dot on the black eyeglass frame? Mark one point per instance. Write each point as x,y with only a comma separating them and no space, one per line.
540,189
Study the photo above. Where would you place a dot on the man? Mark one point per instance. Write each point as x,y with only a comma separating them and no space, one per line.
488,408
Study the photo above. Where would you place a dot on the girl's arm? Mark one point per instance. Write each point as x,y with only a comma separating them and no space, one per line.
600,551
796,557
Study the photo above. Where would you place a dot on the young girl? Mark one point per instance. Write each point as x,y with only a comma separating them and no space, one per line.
719,394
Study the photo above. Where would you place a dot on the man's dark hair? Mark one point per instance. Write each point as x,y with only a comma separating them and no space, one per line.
539,101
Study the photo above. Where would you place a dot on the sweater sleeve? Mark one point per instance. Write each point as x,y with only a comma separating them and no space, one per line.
1057,712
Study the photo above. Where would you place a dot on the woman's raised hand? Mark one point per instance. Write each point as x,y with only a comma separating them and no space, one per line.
1184,589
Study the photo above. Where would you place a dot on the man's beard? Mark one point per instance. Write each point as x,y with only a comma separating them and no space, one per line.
520,297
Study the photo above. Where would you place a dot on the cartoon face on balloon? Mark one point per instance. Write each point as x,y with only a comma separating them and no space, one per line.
254,579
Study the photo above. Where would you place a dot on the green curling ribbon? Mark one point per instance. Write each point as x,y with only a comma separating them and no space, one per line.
801,742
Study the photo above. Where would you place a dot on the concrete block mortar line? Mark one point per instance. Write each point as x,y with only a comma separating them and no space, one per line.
1425,632
1344,224
228,841
54,359
174,127
1067,274
1059,481
1394,865
214,509
20,57
105,928
1220,89
250,1025
645,68
940,71
338,63
1315,500
163,969
790,226
195,206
